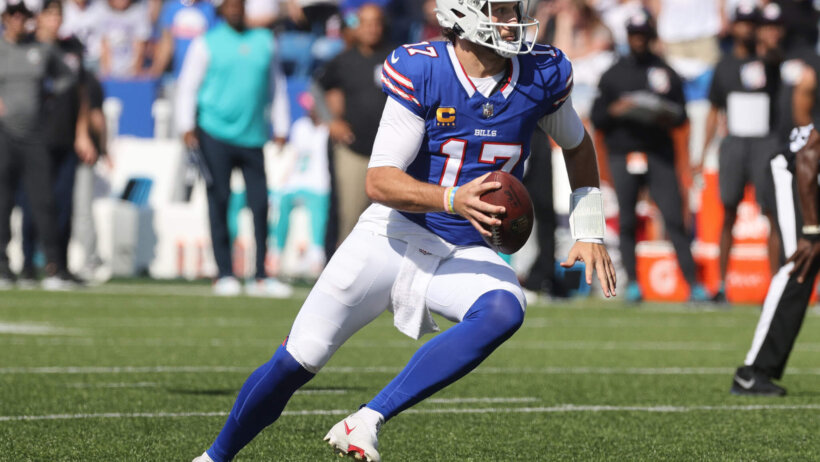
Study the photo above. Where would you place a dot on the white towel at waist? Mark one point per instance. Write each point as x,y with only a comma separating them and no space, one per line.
424,252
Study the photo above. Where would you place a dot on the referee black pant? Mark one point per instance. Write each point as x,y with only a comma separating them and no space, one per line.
787,300
26,159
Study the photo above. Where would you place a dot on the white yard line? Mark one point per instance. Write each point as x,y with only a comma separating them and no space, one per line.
272,343
24,328
114,385
564,408
527,399
392,370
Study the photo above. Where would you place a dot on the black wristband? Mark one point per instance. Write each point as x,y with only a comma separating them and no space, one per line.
811,237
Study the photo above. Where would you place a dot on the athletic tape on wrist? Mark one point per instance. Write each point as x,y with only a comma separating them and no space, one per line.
447,199
586,214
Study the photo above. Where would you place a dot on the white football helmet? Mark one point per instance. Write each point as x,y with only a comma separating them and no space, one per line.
471,20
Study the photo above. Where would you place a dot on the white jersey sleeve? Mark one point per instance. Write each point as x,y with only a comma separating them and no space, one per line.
399,138
564,126
193,72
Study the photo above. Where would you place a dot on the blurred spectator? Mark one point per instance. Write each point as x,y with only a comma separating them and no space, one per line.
537,179
307,183
688,30
800,18
83,19
615,15
66,135
124,29
806,94
744,88
640,101
229,75
180,22
84,231
355,100
261,13
29,71
428,29
579,31
583,37
313,15
796,95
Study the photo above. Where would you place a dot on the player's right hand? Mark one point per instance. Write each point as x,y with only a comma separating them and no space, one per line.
468,204
340,131
804,258
189,138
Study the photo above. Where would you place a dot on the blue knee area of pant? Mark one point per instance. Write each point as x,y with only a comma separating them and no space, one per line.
497,314
447,357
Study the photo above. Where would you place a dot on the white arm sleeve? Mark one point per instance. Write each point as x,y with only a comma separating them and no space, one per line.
190,78
280,112
399,137
564,126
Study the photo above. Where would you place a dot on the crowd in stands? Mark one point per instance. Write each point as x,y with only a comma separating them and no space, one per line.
330,52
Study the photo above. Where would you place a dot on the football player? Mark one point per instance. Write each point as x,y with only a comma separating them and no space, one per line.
457,110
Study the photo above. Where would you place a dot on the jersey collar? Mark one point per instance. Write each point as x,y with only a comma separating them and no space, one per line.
467,84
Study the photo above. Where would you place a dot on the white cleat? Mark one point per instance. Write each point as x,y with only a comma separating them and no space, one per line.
227,286
270,287
203,458
356,436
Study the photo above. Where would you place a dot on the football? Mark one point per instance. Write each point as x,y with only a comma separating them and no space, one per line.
516,222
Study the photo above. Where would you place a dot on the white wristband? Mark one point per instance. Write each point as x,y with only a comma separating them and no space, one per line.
586,214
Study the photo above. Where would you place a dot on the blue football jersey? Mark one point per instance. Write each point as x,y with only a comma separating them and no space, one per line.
466,133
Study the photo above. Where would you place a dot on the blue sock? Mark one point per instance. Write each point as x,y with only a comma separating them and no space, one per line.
447,357
259,404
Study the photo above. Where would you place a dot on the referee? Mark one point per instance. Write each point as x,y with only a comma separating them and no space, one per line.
795,175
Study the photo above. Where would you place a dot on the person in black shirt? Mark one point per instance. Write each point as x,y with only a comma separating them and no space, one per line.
65,125
640,102
29,74
354,98
744,88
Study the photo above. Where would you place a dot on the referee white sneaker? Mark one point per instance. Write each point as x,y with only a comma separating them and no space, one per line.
357,435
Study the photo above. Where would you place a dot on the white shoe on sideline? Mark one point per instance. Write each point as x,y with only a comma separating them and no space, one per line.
58,284
203,458
227,286
268,287
357,435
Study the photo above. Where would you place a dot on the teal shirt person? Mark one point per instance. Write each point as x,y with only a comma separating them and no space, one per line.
228,79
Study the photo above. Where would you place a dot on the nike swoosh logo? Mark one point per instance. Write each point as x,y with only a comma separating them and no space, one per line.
348,429
747,384
393,58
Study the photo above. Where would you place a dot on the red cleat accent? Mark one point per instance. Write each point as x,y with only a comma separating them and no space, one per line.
352,448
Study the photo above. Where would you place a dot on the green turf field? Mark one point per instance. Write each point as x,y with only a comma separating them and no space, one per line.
147,372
